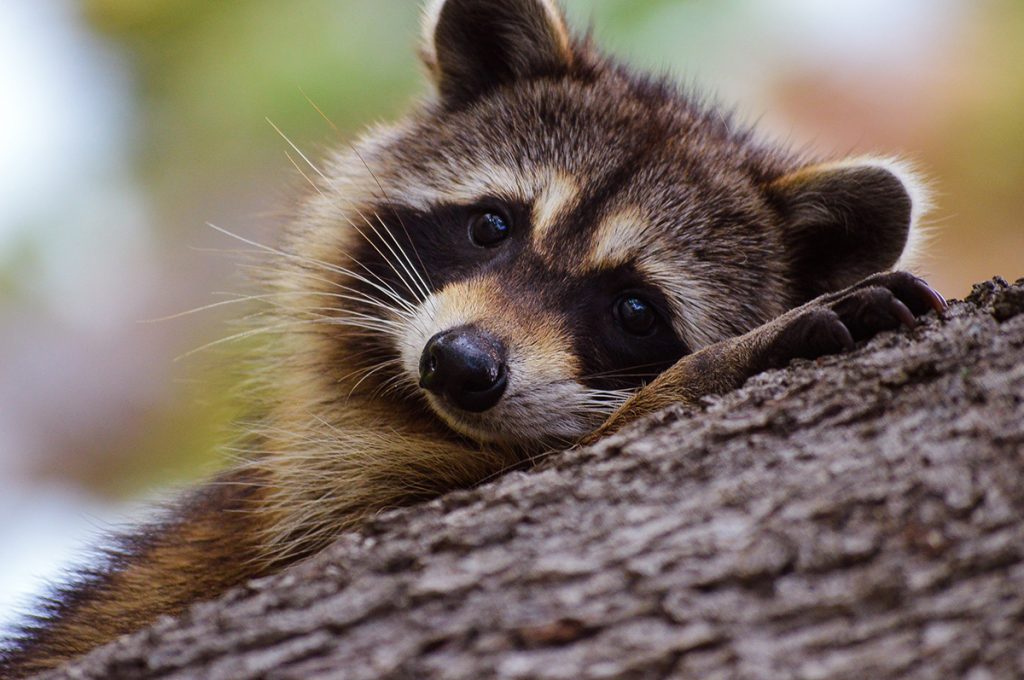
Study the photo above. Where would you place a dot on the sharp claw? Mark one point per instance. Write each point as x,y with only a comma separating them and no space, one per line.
845,337
935,299
904,314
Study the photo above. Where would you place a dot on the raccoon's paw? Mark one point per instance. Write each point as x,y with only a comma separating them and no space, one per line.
833,323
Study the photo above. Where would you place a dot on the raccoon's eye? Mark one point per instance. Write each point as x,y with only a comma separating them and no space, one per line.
488,229
635,315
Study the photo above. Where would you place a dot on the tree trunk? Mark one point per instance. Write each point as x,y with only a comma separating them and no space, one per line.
855,517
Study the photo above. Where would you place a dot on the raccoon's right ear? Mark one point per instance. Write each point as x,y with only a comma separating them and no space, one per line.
472,46
845,221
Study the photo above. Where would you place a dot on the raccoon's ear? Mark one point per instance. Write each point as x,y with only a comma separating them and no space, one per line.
845,221
471,46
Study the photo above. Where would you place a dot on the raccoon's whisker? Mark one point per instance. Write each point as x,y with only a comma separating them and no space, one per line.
318,110
607,403
268,297
377,276
400,313
393,385
383,286
411,268
262,248
528,459
422,285
406,310
203,308
304,175
417,290
387,290
535,458
241,336
361,233
387,260
390,381
601,410
360,369
329,315
292,434
602,402
326,424
358,372
369,324
381,366
367,371
371,302
609,394
612,376
401,383
297,150
387,198
620,371
366,324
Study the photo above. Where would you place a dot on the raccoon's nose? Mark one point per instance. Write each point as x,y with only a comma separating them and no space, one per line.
466,366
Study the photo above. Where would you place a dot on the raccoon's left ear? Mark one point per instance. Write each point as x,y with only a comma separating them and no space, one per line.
472,46
845,221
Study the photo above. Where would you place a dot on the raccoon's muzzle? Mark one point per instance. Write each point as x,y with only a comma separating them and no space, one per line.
466,366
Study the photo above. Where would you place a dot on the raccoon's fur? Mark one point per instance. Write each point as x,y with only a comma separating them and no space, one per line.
500,274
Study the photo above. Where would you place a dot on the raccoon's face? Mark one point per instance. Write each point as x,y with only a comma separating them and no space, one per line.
552,233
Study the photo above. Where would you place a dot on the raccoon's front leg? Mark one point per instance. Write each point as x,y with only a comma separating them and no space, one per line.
828,324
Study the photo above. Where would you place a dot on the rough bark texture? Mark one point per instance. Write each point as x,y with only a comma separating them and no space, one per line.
855,517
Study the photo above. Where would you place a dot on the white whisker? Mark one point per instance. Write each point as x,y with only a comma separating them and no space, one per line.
297,150
304,175
387,290
405,229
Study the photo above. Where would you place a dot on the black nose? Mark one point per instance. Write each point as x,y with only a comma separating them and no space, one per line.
466,366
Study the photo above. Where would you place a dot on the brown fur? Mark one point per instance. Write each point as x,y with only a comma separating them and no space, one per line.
204,547
615,184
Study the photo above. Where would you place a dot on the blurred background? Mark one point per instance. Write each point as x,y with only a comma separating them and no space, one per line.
127,125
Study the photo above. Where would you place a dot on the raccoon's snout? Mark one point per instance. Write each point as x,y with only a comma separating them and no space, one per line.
466,366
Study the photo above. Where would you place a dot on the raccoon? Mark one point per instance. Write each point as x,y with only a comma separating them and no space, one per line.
546,249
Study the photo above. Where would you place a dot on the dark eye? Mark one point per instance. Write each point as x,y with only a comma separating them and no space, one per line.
489,229
635,315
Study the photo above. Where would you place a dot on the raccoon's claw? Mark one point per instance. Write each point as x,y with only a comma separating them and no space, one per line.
913,291
869,311
833,323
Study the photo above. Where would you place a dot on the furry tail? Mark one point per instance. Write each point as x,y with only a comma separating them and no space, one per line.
207,545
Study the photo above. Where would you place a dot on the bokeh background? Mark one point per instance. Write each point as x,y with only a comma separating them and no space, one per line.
127,125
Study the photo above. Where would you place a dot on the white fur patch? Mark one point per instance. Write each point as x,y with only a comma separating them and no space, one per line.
558,195
618,239
431,15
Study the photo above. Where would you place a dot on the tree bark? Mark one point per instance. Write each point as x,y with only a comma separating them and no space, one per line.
855,517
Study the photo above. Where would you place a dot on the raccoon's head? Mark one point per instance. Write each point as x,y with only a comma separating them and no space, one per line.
550,232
